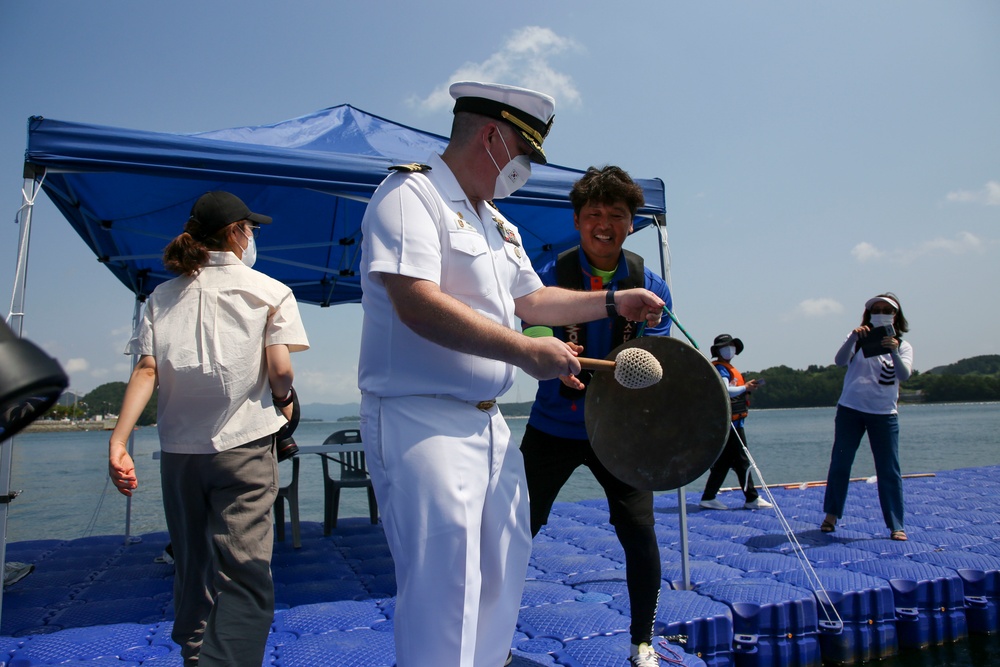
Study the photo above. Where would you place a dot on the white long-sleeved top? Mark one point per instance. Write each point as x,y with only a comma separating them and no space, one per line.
872,383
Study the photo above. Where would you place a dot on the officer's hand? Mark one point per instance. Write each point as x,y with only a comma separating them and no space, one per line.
639,305
547,358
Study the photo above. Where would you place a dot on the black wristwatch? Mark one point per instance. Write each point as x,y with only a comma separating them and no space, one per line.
609,303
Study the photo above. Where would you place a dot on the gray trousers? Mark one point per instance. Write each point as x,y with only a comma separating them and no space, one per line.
218,511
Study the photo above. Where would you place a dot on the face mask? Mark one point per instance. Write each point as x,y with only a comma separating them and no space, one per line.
250,252
879,320
727,352
513,175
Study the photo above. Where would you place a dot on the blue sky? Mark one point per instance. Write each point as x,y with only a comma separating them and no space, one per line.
814,153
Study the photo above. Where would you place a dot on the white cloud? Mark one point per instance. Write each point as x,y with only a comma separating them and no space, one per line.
75,366
864,252
820,307
523,60
989,195
963,243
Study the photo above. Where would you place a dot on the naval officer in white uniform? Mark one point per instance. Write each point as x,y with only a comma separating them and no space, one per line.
444,277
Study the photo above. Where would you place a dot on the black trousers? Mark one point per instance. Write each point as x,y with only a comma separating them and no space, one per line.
732,458
548,463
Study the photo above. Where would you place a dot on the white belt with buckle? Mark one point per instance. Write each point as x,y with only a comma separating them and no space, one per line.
485,406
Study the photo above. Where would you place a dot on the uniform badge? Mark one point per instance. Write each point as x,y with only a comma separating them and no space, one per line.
506,234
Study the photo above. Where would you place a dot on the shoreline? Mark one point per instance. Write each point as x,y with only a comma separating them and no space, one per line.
43,426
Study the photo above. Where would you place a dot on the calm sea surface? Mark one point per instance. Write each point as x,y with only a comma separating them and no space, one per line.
65,495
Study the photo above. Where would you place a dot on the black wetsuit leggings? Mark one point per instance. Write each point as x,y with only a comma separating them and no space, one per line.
548,462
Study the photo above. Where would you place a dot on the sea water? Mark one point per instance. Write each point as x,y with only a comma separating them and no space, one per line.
65,494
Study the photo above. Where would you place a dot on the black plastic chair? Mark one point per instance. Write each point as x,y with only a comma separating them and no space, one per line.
288,494
353,474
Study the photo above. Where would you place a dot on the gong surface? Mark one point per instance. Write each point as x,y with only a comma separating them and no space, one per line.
664,436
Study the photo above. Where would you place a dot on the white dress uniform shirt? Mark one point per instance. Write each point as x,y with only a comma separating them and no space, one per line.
210,398
421,225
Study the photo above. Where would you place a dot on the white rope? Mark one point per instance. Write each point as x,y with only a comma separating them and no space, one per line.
822,597
89,530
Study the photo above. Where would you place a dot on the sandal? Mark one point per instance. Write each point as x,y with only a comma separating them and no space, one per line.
898,535
827,527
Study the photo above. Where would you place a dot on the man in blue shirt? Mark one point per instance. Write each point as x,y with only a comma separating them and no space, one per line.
555,442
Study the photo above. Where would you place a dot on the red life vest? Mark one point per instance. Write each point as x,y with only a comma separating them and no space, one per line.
738,405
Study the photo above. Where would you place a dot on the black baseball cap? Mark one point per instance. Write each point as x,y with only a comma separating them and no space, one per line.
217,209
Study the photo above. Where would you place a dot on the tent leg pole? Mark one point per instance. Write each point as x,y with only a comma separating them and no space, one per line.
15,319
136,314
661,232
683,521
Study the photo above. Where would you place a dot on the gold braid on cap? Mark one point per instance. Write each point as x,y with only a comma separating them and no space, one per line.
535,134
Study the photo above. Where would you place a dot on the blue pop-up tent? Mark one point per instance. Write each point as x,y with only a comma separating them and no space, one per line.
128,192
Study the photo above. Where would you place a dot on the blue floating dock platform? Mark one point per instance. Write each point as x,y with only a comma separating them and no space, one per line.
98,602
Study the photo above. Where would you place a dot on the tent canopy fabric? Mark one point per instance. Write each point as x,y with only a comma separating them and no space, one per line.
128,192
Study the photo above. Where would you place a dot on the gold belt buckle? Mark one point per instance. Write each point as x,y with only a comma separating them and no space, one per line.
486,406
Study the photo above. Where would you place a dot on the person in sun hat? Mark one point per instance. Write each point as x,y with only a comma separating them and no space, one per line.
734,456
215,342
444,276
605,202
877,360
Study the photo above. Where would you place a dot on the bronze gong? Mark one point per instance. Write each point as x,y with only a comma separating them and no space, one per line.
664,436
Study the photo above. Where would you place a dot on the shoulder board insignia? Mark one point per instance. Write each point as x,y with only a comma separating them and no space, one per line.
412,167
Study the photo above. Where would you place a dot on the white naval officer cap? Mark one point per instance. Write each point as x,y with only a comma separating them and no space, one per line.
528,111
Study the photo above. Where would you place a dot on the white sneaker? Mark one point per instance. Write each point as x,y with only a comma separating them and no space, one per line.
167,556
14,572
643,655
713,504
757,503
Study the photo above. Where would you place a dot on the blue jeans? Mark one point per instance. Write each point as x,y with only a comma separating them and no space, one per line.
883,437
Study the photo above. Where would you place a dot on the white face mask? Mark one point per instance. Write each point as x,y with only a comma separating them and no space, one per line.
250,252
514,174
727,352
879,320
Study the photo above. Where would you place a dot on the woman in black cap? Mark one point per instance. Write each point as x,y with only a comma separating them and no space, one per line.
215,343
868,403
733,457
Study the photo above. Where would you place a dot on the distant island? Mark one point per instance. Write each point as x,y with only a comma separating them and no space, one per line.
972,379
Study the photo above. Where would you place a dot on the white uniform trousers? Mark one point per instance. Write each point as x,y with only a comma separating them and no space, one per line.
451,489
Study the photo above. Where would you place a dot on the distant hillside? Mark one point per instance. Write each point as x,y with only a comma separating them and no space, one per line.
986,364
103,400
972,379
816,386
329,412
